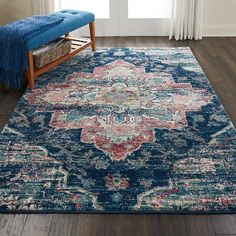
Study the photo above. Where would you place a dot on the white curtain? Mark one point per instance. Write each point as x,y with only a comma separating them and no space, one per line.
43,7
187,19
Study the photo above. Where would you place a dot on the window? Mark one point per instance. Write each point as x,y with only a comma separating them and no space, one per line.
149,9
100,8
124,17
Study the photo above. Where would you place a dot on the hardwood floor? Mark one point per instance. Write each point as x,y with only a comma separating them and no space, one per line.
217,57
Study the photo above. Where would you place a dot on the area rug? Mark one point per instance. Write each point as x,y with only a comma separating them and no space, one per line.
120,130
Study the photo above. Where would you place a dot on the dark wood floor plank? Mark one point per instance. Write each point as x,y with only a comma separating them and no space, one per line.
100,41
223,59
109,42
118,42
224,224
224,48
172,225
118,225
91,225
201,58
227,99
9,101
37,225
11,225
63,224
153,42
3,93
198,225
225,234
127,42
3,120
212,65
144,225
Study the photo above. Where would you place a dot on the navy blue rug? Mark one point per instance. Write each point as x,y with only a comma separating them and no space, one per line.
120,130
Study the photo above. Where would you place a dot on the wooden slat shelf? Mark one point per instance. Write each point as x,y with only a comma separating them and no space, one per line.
78,44
51,65
77,39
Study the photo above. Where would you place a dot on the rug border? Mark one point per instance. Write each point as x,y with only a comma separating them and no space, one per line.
118,212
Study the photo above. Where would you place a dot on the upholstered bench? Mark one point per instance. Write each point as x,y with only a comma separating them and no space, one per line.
73,20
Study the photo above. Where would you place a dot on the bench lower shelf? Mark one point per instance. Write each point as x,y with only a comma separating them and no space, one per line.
78,44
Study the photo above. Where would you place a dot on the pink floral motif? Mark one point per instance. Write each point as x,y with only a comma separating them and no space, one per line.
116,182
129,104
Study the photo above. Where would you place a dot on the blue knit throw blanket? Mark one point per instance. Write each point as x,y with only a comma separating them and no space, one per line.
13,46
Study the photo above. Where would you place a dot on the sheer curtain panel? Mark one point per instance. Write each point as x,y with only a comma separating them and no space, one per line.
187,19
43,7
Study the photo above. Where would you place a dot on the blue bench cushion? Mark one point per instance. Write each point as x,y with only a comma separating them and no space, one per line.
73,20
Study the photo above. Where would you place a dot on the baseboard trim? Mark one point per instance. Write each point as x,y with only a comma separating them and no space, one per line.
219,30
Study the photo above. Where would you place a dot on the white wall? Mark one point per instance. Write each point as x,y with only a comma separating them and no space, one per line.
11,10
220,18
219,15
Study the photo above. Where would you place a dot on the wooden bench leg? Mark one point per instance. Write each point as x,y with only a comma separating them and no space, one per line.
30,72
92,35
